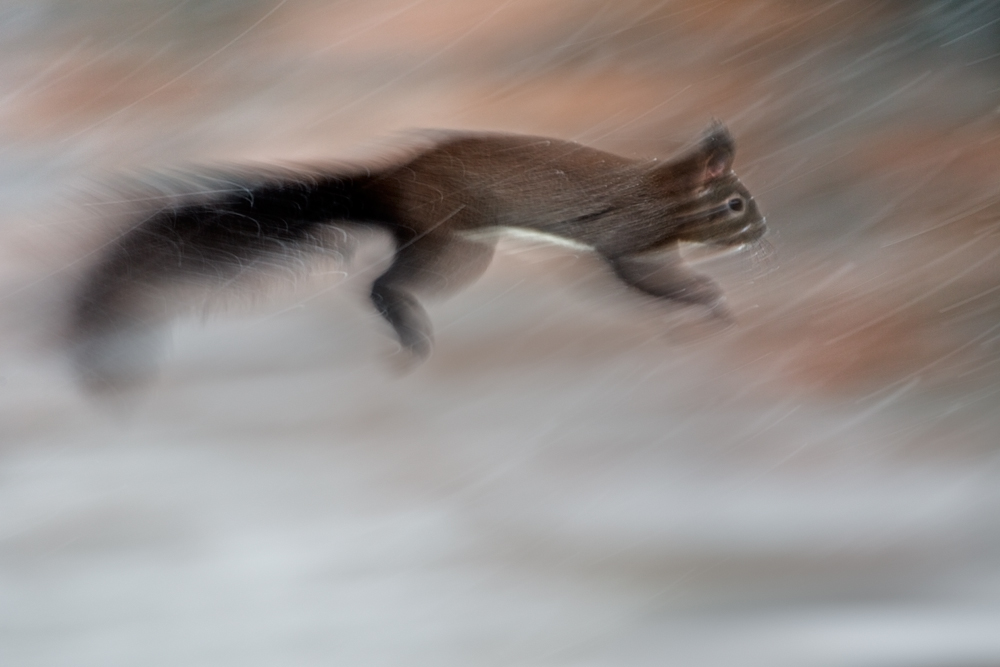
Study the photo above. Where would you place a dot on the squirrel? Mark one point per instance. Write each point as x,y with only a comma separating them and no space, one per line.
436,206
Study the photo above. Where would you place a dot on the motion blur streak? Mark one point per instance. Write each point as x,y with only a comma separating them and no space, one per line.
577,475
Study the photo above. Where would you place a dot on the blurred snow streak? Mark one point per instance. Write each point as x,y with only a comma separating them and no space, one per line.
578,476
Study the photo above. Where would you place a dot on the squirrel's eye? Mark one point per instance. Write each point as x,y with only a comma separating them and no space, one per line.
735,204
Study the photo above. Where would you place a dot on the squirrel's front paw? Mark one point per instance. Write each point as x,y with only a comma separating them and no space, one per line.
703,291
720,311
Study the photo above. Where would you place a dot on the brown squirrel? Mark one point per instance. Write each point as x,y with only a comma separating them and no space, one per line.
436,206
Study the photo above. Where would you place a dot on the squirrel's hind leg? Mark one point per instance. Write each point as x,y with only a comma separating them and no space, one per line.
434,263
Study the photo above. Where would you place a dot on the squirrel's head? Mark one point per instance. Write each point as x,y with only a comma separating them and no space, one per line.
712,206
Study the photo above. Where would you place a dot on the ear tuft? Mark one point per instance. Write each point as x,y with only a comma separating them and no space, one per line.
718,150
711,158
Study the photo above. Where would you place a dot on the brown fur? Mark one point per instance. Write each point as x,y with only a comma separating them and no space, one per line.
441,207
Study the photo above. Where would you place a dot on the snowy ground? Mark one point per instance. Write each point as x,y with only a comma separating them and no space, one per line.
577,476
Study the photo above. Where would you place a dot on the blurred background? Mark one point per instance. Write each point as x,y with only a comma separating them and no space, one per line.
577,476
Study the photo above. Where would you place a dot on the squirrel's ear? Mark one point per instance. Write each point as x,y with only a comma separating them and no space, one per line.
719,149
710,159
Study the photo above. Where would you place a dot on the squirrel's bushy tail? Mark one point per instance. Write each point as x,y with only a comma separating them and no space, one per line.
217,236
